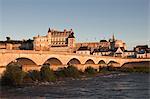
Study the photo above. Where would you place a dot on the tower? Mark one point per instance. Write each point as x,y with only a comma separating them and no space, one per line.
49,33
113,37
112,42
71,41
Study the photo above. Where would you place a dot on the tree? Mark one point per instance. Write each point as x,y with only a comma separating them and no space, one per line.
34,75
90,70
47,74
72,71
8,38
13,75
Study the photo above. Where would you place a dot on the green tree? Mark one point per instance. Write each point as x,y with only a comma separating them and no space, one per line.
90,70
72,71
47,74
13,75
34,75
69,71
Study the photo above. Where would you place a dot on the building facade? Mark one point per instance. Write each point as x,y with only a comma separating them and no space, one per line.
54,39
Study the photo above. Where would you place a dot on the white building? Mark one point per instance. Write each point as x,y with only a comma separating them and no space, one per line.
83,50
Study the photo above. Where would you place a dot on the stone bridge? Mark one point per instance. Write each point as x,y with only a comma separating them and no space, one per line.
34,59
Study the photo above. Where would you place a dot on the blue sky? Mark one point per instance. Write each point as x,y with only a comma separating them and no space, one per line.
91,20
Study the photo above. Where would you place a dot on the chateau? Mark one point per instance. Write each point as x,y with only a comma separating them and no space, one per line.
55,41
65,41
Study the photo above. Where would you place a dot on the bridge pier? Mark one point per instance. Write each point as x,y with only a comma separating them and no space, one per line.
2,69
27,68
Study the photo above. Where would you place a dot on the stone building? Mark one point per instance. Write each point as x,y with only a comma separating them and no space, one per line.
55,41
94,45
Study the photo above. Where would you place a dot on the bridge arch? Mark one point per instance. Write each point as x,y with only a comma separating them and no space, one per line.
113,63
73,61
23,61
89,61
53,61
26,63
136,64
102,63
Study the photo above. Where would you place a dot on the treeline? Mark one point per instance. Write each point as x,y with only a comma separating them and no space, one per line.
14,75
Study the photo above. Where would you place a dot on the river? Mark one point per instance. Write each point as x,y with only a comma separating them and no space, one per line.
111,86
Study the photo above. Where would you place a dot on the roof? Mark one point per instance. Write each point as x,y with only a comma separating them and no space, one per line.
58,31
142,46
103,40
49,30
129,51
118,53
148,50
12,42
104,49
71,35
83,48
122,48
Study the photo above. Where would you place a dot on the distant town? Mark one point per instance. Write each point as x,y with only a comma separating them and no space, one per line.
65,41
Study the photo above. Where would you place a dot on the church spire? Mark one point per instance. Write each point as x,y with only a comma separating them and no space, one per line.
113,37
49,30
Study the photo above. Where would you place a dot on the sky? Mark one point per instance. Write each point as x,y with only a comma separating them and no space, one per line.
91,20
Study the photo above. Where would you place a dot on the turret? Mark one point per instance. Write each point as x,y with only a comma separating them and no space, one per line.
49,30
49,38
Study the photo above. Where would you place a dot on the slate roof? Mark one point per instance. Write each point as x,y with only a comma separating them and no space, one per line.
103,40
71,35
104,49
122,48
129,51
142,46
83,48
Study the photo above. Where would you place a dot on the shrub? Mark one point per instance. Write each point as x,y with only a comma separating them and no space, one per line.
103,69
70,71
90,70
34,75
47,74
13,75
27,78
61,72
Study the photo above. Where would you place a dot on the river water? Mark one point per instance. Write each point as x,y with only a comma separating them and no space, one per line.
110,86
